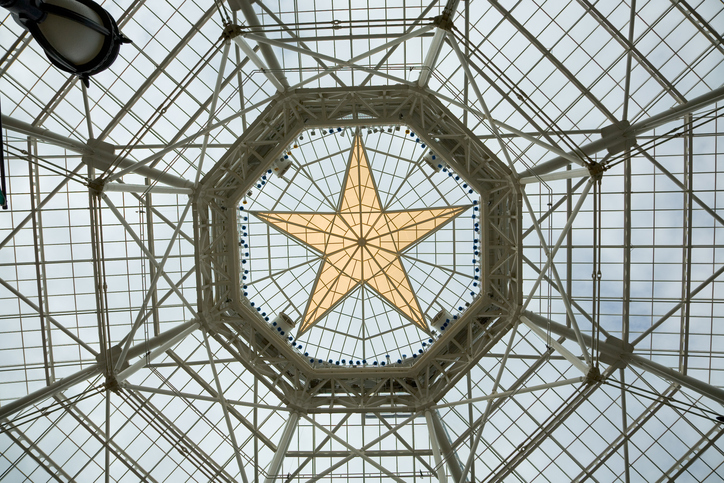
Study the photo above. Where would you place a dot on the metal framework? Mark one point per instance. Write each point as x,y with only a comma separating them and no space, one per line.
588,134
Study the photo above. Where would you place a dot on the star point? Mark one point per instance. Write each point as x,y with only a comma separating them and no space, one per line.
361,244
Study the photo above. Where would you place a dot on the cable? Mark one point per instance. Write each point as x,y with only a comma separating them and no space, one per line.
667,400
56,406
667,136
53,168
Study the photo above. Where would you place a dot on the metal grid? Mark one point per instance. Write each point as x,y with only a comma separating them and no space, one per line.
610,369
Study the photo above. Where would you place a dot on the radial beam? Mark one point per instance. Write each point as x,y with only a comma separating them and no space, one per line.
631,132
446,449
540,332
439,466
613,349
282,447
98,158
255,26
160,341
249,51
224,407
143,188
559,175
513,392
444,22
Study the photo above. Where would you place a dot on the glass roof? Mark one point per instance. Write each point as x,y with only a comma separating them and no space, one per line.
608,116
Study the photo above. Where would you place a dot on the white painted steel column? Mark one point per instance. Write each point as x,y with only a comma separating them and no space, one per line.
439,466
282,447
450,455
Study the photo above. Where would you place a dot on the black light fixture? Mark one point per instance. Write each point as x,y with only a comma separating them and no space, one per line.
78,36
3,188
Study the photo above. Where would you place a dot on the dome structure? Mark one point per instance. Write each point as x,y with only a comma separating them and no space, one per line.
393,241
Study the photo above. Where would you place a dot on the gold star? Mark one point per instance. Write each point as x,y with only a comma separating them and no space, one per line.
361,244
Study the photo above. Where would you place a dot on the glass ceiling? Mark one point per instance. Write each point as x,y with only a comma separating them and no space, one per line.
608,114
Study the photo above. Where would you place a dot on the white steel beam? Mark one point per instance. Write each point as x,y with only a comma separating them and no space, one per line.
539,331
632,131
271,59
161,341
98,158
212,108
558,175
444,22
513,392
143,188
439,466
614,351
200,397
249,51
282,447
222,401
446,449
433,52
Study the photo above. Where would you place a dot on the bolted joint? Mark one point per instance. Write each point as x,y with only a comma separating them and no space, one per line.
596,170
593,376
96,186
231,30
443,22
112,384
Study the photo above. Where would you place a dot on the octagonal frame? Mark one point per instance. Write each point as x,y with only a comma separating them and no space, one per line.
321,387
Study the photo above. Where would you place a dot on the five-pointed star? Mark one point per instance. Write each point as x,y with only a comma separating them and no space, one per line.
361,244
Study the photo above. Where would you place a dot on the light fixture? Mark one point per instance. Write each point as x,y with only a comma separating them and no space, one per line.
78,36
3,188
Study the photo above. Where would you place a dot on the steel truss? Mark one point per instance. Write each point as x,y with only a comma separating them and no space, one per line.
318,397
